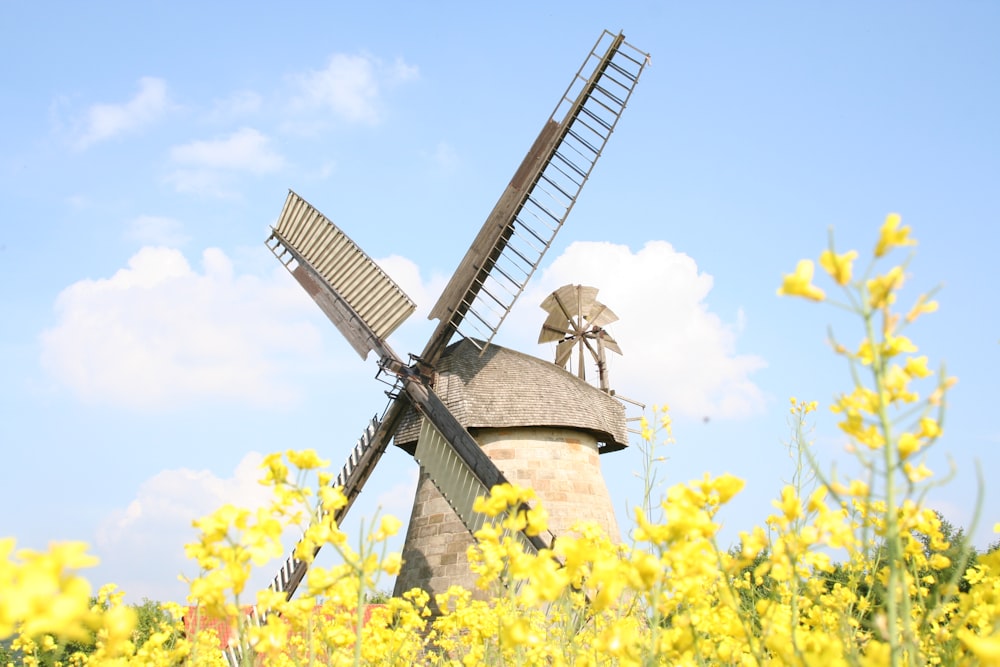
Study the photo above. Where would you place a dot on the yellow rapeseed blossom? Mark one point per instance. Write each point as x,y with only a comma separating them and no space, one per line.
838,266
882,289
923,305
891,235
799,283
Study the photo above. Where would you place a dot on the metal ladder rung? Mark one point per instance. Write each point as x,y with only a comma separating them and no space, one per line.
505,285
571,132
552,226
617,113
607,76
588,159
626,73
620,102
556,186
600,121
520,218
578,121
489,311
498,268
552,164
527,242
571,164
543,209
627,56
492,296
538,238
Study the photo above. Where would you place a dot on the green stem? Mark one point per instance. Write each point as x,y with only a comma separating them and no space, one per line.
894,547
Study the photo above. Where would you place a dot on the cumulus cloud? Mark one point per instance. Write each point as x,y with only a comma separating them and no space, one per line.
159,333
676,350
350,86
208,166
105,121
244,150
142,545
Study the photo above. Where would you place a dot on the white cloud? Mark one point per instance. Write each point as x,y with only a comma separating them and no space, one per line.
675,350
173,498
210,166
104,121
350,86
152,229
413,333
244,150
142,546
159,334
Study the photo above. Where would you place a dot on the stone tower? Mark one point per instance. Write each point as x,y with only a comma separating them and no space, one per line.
542,426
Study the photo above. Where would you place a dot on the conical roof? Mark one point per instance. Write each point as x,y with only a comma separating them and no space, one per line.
502,388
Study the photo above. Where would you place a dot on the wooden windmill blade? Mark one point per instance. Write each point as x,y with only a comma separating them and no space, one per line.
609,343
538,199
600,315
360,463
349,287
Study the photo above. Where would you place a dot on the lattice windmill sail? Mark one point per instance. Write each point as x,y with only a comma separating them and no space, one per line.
577,320
366,305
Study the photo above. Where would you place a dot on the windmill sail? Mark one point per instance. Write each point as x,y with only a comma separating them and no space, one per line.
457,466
366,453
532,209
354,292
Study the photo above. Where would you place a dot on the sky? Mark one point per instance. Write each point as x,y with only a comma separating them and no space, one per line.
153,350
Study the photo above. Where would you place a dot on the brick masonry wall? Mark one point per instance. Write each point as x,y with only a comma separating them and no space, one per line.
561,465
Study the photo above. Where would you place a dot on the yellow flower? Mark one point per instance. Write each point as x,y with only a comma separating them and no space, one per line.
392,563
891,235
987,649
918,474
894,345
277,471
725,486
908,444
790,505
307,459
916,367
388,527
838,266
939,561
881,289
920,307
800,283
929,428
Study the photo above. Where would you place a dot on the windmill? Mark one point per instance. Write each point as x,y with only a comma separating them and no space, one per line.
577,319
367,306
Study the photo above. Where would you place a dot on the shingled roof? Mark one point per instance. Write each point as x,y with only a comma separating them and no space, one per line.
502,388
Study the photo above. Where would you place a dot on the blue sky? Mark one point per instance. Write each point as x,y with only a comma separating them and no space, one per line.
153,350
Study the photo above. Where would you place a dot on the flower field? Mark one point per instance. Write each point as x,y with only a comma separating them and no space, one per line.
843,572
